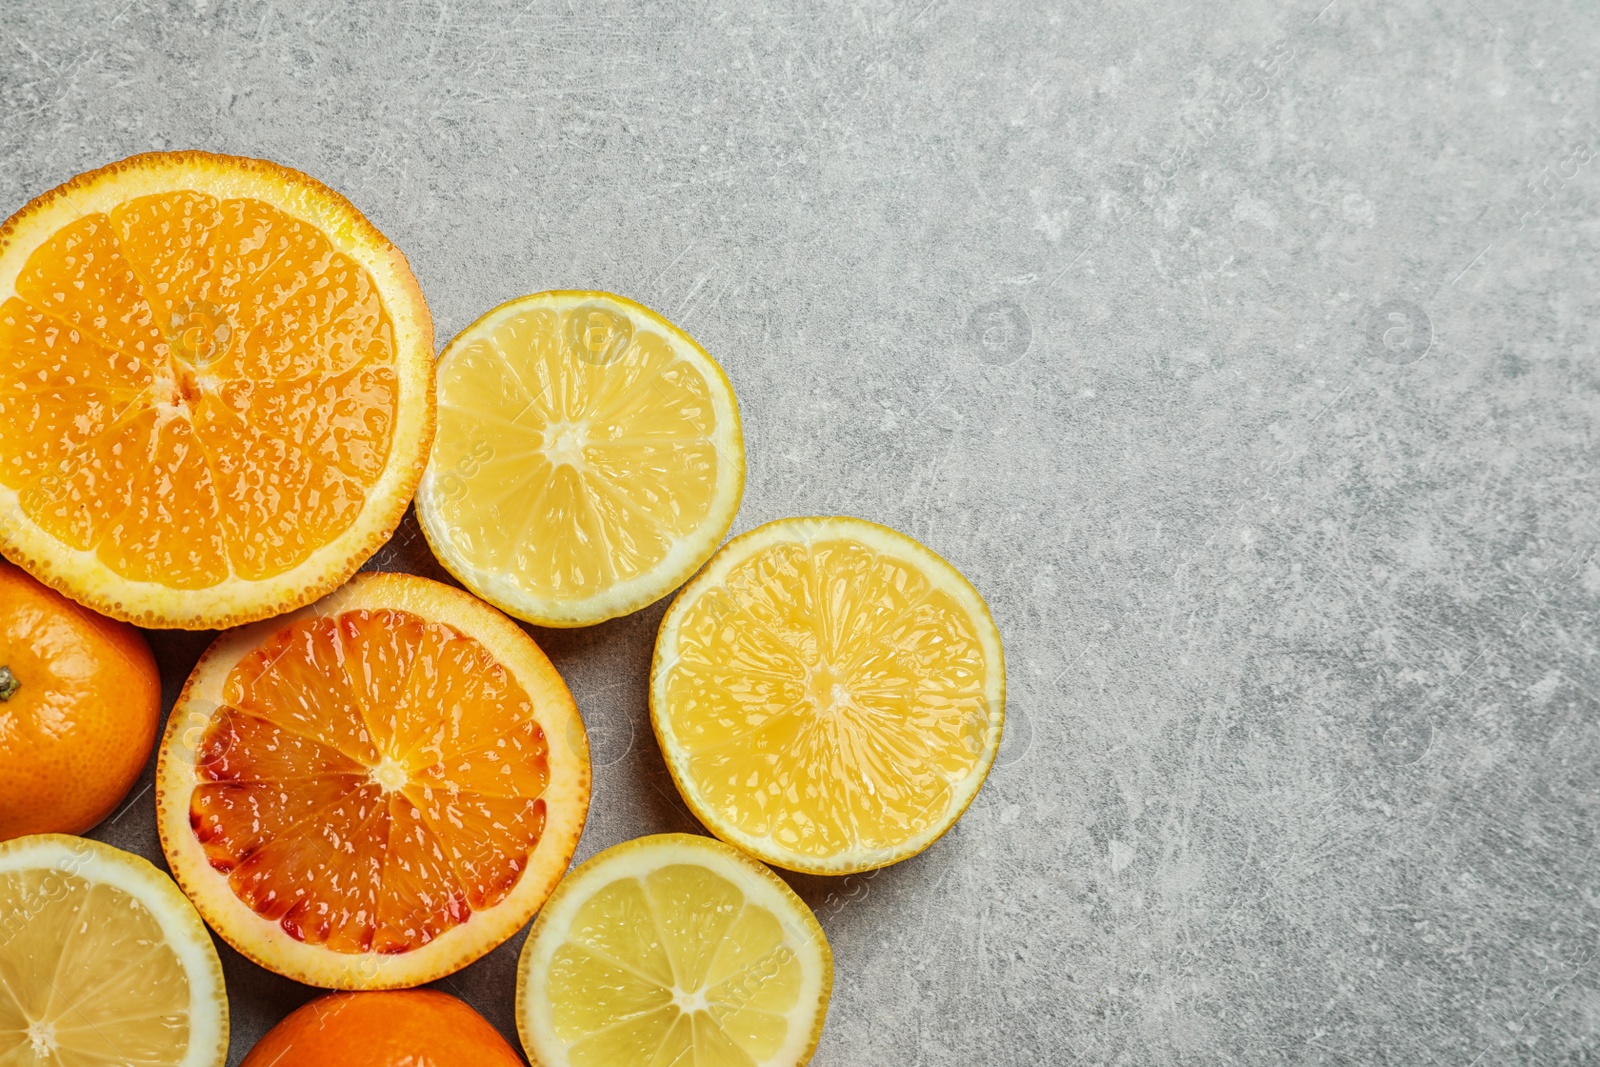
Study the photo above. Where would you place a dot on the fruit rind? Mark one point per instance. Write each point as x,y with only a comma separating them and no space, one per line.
265,942
80,574
640,856
882,538
187,936
686,557
101,757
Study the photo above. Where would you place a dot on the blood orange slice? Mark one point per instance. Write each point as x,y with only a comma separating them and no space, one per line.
376,790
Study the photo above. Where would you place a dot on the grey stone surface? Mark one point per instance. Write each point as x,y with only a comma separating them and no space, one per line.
1244,356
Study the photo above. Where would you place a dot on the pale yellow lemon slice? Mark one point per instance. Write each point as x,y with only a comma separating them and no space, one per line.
103,961
673,949
588,459
828,694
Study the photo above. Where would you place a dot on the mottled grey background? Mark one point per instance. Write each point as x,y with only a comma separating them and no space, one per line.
1245,356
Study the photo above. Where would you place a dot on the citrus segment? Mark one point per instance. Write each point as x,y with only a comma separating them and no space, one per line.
828,694
589,458
216,387
673,949
103,961
376,790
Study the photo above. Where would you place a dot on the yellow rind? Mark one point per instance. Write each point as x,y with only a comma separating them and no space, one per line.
264,942
177,916
594,867
609,604
80,574
881,538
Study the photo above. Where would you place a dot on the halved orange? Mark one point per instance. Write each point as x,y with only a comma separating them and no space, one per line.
216,389
374,791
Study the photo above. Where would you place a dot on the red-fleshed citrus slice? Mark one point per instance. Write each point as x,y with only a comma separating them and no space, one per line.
376,790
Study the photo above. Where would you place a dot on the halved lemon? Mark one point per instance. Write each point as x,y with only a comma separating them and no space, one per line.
103,961
828,694
374,791
216,389
588,460
673,950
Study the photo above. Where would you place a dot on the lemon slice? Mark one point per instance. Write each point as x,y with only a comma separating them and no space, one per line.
673,949
102,961
588,458
828,694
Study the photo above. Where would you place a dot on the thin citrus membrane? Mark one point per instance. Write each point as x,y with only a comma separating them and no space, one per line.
589,458
102,961
215,388
673,949
376,790
828,694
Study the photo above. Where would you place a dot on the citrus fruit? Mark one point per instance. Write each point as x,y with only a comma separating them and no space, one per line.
102,961
215,389
673,949
397,1028
589,458
80,699
828,694
373,791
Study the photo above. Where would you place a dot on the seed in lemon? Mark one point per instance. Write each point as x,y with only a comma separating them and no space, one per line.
376,790
588,460
828,694
103,961
216,389
673,949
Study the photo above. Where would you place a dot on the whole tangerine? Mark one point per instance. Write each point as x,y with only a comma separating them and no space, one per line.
80,700
391,1028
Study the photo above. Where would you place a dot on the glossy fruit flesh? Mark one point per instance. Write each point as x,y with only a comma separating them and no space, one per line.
194,388
830,695
372,779
599,464
674,967
86,976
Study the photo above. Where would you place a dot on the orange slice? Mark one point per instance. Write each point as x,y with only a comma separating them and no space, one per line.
216,389
828,694
376,790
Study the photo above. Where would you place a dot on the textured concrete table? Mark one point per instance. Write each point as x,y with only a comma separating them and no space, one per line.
1245,356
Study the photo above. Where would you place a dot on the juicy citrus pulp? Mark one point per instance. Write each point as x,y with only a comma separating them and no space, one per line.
375,790
588,460
102,961
828,694
215,389
673,949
